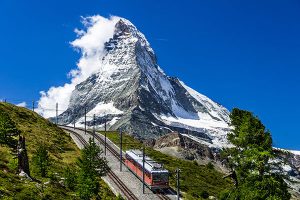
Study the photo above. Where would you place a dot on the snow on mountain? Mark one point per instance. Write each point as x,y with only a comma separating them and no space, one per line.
295,152
130,91
216,110
215,118
103,109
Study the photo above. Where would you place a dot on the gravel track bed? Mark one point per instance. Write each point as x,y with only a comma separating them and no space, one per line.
131,181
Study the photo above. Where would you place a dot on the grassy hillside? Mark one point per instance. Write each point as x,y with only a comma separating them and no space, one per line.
196,180
62,150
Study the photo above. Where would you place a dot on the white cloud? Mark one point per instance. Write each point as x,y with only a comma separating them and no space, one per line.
90,43
22,104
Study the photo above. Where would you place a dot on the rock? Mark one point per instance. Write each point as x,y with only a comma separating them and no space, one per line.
190,149
25,175
149,142
46,183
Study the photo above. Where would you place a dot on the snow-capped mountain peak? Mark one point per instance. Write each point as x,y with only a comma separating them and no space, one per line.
140,97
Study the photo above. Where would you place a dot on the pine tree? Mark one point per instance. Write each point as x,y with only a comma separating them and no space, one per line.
92,166
250,161
41,160
70,176
7,127
88,186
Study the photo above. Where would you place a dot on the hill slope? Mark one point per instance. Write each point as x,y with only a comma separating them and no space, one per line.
63,152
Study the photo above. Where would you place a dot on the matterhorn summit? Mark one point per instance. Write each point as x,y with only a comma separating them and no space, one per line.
130,91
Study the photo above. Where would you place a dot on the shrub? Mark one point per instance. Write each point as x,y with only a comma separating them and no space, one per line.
204,194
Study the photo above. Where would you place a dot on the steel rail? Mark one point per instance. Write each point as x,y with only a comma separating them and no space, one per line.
125,190
114,152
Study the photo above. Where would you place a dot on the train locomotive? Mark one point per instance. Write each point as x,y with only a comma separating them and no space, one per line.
156,177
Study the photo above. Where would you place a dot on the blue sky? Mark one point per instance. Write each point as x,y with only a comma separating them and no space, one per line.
242,54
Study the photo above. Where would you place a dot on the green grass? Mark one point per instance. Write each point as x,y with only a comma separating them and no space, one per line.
63,152
38,130
195,179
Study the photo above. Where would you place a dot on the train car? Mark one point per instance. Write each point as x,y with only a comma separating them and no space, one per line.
156,177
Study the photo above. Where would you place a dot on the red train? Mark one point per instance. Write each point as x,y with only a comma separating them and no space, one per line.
156,177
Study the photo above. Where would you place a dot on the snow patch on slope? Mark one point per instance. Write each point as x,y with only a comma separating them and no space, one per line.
100,110
214,109
214,122
199,119
103,109
203,120
295,152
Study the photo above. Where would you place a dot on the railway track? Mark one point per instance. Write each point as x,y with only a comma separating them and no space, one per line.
161,196
128,194
112,151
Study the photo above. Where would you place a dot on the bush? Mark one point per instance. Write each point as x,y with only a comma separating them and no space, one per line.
70,178
7,128
119,197
195,163
224,194
41,160
13,165
26,194
91,167
210,166
204,194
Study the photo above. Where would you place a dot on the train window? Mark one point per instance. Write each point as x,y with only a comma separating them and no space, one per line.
160,177
130,159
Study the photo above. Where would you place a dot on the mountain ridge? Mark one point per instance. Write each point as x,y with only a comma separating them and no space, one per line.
140,98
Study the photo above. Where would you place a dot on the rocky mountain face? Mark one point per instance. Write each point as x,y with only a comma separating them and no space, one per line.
186,147
130,91
180,146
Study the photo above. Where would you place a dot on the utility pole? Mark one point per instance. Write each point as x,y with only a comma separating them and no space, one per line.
84,120
94,130
105,136
143,169
121,157
178,183
56,113
74,124
33,106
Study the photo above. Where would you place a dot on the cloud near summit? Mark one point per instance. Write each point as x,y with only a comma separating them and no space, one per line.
90,43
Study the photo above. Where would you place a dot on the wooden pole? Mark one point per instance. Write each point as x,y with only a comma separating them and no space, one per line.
143,169
85,120
56,113
178,183
105,137
121,157
94,128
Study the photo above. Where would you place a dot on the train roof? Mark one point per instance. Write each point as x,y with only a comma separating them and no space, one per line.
150,165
